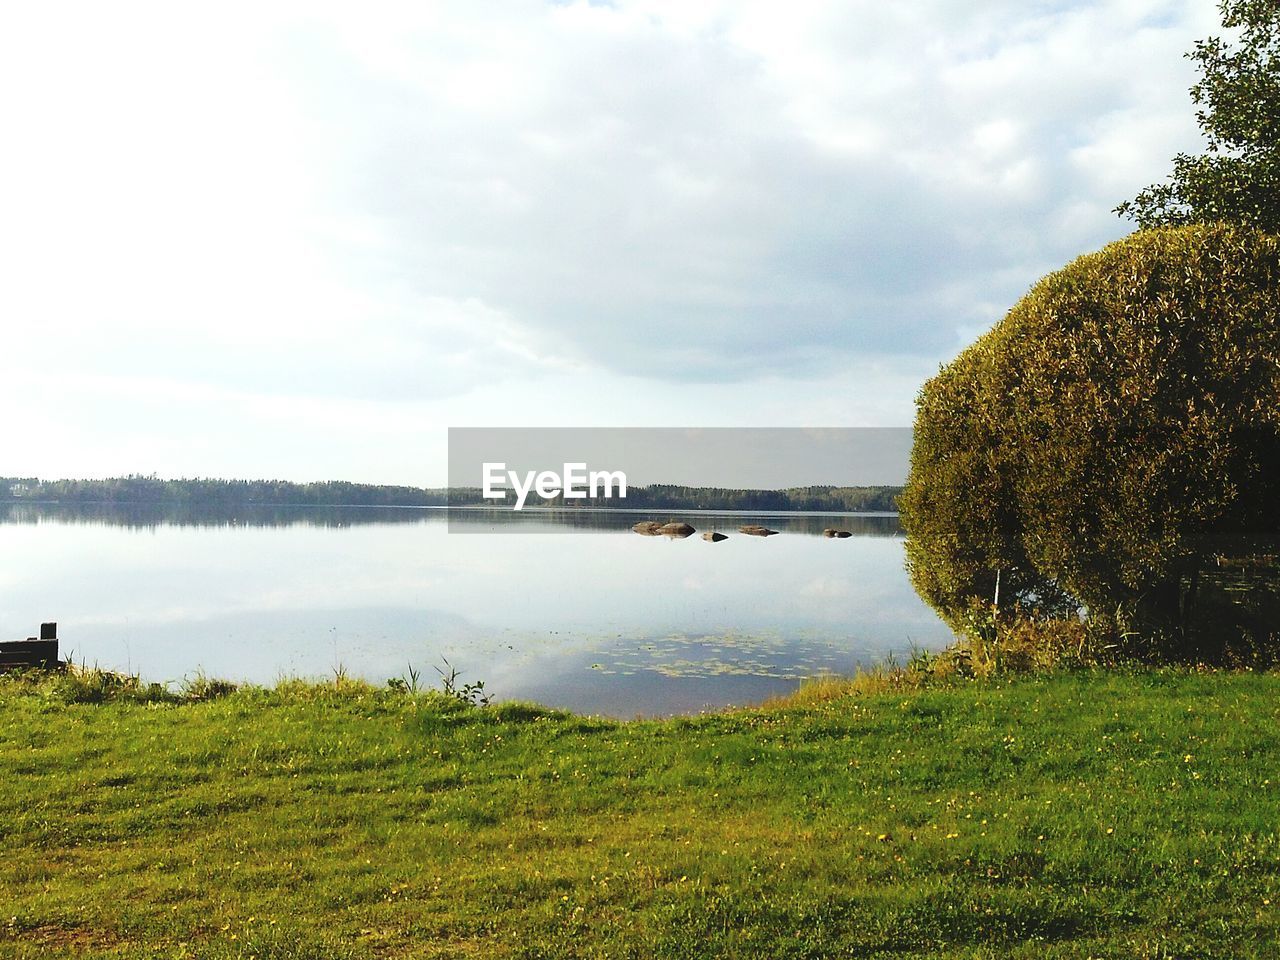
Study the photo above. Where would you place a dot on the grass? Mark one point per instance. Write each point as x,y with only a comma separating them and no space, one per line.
1082,814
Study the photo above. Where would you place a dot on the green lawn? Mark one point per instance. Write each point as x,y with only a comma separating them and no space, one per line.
1080,815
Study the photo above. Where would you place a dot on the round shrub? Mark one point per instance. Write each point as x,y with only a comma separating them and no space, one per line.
1110,448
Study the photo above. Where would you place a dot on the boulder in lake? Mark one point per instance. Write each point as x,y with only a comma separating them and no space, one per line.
676,529
714,536
647,528
755,530
832,532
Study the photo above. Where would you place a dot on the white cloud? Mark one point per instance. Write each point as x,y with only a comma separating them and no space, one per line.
764,210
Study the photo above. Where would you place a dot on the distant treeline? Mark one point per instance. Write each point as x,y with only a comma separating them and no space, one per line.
666,495
209,492
216,493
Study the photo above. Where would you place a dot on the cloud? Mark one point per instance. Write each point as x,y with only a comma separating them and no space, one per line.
715,211
713,191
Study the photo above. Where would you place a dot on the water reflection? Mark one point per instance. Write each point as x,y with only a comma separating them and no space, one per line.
608,622
466,519
730,523
152,515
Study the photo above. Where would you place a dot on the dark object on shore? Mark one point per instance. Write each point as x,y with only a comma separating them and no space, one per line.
832,532
32,653
714,536
647,528
676,529
755,530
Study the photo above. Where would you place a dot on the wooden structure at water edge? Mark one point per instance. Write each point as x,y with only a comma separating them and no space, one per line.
31,653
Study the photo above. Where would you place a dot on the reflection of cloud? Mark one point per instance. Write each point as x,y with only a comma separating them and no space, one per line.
827,588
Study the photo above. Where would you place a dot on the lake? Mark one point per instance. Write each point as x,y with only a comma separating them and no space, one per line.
568,608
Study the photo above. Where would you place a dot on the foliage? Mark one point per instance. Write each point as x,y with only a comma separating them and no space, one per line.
1237,179
873,499
1012,640
81,684
408,684
207,492
867,499
1022,819
997,644
1108,443
471,694
203,687
137,489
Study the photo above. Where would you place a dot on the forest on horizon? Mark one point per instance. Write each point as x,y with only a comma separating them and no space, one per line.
208,492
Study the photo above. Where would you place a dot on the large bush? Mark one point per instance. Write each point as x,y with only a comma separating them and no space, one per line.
1111,448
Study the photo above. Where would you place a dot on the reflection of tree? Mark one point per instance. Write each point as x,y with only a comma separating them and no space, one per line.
153,515
882,525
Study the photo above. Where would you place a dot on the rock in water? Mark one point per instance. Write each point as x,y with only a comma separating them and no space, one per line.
647,528
755,530
676,529
714,536
832,532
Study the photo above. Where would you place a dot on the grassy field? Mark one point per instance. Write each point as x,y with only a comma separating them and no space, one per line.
1079,815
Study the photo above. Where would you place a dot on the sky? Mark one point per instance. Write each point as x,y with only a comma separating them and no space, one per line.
301,240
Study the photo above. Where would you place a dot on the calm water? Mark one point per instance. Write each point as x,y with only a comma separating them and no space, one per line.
598,619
